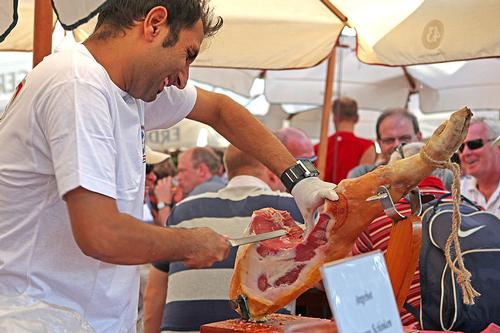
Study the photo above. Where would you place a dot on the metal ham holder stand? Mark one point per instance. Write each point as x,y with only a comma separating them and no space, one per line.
385,198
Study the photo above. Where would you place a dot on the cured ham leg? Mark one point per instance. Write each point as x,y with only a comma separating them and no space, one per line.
273,273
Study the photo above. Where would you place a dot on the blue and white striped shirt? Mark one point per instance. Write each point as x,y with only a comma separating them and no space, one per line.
199,296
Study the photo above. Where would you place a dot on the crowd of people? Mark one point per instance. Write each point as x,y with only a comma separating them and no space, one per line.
116,237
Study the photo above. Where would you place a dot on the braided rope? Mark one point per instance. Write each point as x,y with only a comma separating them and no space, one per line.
463,275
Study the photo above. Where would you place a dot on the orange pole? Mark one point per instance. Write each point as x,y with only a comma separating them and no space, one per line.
325,117
42,30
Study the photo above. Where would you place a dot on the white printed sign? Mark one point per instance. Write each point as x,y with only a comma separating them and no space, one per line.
360,294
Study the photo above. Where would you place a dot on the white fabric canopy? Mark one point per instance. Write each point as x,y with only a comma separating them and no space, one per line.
265,34
71,14
374,87
8,17
239,81
187,133
20,38
280,34
449,86
395,32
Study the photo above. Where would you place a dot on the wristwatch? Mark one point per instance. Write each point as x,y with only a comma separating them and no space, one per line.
294,174
161,205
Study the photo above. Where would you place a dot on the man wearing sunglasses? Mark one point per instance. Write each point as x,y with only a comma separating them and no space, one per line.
481,163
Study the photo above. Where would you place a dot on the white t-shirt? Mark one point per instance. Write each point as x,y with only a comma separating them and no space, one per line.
71,126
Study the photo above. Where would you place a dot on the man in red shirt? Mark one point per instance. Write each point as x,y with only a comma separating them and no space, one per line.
345,150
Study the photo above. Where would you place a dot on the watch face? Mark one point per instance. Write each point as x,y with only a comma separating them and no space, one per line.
309,167
297,172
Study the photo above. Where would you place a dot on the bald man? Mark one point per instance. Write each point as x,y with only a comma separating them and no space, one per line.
297,142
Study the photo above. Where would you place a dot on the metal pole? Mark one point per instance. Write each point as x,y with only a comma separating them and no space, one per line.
325,117
42,30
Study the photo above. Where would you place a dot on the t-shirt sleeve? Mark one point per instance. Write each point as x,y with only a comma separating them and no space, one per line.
75,120
171,106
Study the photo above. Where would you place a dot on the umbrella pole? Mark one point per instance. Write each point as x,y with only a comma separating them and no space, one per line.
325,117
42,30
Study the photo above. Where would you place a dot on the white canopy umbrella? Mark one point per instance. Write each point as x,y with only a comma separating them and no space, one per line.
448,86
185,134
265,34
277,34
17,24
395,32
374,87
17,17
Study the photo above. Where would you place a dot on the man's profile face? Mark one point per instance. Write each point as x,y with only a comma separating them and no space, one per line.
394,130
187,175
166,66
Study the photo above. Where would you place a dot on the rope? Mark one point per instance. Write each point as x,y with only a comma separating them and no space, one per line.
463,275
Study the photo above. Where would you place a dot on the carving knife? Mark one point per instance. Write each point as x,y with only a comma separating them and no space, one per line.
256,238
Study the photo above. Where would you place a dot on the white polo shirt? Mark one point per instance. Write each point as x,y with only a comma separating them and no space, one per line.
468,188
71,126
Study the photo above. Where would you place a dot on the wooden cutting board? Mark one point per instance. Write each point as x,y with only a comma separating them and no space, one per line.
275,324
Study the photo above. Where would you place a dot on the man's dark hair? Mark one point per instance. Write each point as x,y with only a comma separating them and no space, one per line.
397,111
117,15
345,108
208,156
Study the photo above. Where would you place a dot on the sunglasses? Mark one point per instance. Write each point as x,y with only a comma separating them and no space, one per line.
149,168
472,144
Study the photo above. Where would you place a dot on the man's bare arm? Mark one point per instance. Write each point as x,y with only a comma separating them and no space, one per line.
155,294
242,129
369,156
102,232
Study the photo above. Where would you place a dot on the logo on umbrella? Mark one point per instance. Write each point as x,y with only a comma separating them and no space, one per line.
433,34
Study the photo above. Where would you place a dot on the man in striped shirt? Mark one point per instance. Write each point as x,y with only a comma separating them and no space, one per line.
199,296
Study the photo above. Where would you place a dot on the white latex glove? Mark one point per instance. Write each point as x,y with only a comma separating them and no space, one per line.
309,194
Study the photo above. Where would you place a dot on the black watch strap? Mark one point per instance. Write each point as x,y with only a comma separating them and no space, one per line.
300,170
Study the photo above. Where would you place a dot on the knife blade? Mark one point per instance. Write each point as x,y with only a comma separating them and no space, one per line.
256,238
